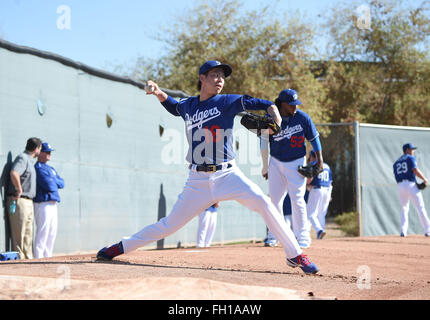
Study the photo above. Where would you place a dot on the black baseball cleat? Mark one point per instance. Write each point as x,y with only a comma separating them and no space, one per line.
108,253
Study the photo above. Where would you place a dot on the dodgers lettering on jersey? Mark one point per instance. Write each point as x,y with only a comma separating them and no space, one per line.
324,179
289,144
209,124
402,168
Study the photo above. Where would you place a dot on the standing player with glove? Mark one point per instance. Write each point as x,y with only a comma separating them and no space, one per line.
405,172
213,173
319,197
287,154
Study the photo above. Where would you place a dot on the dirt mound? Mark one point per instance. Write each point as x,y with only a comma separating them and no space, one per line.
371,268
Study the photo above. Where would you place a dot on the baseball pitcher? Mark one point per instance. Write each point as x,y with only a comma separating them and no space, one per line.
213,174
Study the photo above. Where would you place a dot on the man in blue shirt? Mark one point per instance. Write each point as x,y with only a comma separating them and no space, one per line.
45,203
405,172
213,173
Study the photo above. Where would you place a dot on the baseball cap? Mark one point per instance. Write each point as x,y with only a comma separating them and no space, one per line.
408,146
46,147
312,154
289,96
208,65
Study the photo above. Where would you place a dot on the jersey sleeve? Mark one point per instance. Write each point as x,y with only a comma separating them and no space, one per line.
311,132
241,103
59,180
171,105
412,163
316,144
19,165
45,179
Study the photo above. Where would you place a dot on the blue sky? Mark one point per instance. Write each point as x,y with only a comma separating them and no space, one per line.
105,33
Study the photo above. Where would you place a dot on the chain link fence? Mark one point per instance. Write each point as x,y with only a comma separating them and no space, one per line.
338,143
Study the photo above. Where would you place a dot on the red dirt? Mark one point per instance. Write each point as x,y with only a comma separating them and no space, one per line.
397,268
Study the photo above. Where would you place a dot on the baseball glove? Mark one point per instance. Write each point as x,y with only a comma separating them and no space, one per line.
309,171
421,185
256,122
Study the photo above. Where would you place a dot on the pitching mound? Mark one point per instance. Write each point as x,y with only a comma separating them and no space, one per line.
369,268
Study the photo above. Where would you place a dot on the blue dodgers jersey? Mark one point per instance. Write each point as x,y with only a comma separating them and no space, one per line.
289,144
324,179
402,168
209,125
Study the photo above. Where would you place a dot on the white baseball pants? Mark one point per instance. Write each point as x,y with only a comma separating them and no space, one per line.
318,202
46,216
283,178
202,189
408,191
206,229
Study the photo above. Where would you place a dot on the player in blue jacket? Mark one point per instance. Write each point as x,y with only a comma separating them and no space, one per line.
405,172
48,182
287,152
213,173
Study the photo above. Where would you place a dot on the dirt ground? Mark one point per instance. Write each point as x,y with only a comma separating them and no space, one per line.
351,268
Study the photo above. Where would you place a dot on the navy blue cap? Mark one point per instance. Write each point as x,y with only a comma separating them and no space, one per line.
312,154
208,65
289,96
46,147
408,146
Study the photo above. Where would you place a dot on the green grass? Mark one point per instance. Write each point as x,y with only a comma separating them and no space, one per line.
348,223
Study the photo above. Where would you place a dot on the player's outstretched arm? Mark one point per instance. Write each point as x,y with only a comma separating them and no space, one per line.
152,88
168,103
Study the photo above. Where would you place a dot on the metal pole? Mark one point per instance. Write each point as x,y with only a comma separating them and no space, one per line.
357,176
